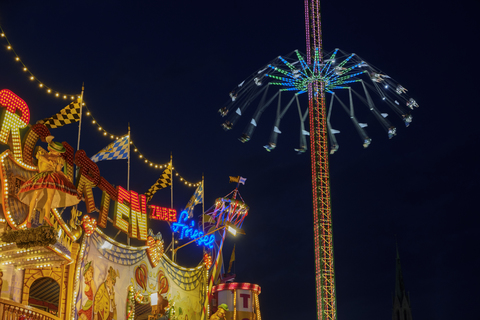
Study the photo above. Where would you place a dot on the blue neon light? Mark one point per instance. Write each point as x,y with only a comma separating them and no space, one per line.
188,231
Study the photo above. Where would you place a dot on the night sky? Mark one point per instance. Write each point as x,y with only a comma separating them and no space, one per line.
167,67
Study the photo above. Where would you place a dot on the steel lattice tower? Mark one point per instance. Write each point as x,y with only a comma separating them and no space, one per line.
322,218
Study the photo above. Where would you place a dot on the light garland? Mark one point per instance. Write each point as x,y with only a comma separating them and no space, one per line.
134,148
104,132
31,76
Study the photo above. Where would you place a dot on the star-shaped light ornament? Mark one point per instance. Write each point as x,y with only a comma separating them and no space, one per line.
207,260
89,225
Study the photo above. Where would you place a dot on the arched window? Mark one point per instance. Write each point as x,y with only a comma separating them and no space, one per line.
44,295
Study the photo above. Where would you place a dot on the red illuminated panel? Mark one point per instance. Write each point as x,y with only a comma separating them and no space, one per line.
123,195
164,214
172,215
13,103
138,219
109,192
122,211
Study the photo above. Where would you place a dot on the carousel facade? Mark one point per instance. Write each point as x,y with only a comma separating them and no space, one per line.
57,268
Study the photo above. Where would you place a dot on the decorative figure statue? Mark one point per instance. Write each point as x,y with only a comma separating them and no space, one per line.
74,223
86,313
104,307
221,312
50,187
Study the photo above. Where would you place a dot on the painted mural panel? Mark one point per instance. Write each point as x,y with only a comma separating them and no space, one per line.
113,276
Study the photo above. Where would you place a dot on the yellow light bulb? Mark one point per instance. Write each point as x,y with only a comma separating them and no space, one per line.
31,78
24,69
40,85
17,58
9,47
93,121
57,94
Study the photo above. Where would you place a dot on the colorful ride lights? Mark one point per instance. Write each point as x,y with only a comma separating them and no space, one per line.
188,231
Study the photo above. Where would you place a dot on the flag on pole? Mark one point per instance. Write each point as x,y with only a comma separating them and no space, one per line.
67,115
195,199
232,258
238,179
164,181
114,151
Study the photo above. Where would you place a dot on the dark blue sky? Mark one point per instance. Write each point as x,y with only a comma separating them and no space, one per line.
166,68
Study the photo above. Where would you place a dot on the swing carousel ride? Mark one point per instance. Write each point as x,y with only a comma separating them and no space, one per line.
348,81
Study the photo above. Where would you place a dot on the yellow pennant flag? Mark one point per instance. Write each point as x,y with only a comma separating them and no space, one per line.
232,258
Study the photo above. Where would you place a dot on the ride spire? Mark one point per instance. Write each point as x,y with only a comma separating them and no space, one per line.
322,218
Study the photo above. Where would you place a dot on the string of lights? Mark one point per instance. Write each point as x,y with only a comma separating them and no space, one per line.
135,149
104,132
31,76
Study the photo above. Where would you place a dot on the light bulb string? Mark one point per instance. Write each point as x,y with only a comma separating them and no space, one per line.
32,77
88,113
136,150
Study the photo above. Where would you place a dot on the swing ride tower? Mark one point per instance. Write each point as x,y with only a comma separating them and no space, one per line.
322,214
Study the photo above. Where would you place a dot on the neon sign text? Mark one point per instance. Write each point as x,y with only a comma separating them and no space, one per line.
161,213
188,231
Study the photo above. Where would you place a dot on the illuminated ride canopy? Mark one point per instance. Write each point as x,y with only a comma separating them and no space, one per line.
350,84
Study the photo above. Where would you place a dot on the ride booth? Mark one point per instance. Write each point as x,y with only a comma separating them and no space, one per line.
241,299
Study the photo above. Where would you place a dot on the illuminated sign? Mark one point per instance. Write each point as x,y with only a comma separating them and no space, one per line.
188,231
161,213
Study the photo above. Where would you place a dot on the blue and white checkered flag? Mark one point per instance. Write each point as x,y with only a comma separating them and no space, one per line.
195,199
115,150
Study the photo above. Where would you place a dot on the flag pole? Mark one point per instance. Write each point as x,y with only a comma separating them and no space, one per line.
171,204
128,171
80,122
